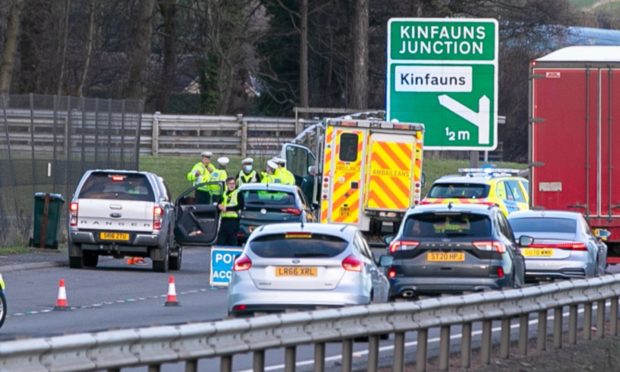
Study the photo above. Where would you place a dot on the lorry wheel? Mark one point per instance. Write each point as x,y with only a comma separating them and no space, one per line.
75,262
174,262
90,259
2,308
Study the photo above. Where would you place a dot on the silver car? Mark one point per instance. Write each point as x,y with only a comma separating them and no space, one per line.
304,266
563,246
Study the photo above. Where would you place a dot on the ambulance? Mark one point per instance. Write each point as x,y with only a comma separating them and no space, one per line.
368,171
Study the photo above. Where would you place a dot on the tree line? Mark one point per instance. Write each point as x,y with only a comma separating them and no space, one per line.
258,57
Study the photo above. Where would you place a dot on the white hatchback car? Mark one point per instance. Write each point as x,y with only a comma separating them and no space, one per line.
304,266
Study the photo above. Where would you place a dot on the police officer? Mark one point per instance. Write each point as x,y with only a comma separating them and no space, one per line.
247,174
220,175
284,174
269,175
230,208
201,172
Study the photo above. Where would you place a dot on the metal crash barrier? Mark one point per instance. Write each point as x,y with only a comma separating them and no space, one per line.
224,339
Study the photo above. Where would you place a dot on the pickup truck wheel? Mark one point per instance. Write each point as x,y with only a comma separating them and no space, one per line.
175,261
90,259
161,266
75,262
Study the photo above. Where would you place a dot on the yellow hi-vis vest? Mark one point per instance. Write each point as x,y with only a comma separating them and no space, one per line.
217,175
230,200
203,175
247,178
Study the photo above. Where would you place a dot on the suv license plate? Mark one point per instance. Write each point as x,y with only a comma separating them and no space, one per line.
114,236
445,256
296,271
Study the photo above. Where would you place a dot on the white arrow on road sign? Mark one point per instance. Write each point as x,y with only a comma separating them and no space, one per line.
480,119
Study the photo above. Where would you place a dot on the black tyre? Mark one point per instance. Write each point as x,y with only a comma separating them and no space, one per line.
2,308
75,262
90,259
161,265
175,261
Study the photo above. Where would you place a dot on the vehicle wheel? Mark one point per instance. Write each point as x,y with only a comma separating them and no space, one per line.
90,259
75,262
175,262
2,308
161,265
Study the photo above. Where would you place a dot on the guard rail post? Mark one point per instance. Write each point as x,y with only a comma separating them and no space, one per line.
541,337
420,357
226,363
289,358
399,352
504,347
347,355
572,324
319,357
154,368
466,345
557,327
613,316
258,361
373,353
524,325
485,352
587,321
444,347
600,319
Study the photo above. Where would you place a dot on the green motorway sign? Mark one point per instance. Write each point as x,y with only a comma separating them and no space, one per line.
443,73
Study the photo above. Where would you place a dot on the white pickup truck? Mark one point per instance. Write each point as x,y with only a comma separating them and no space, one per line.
129,213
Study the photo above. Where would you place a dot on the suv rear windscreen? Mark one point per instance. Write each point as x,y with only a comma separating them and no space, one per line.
544,224
436,225
298,245
459,190
123,186
268,198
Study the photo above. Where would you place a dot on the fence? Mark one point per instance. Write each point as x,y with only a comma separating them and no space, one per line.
188,343
46,143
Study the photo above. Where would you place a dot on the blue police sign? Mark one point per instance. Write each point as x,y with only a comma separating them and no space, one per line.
222,260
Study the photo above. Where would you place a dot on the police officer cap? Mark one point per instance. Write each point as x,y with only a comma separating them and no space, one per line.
272,164
279,160
208,154
223,160
247,161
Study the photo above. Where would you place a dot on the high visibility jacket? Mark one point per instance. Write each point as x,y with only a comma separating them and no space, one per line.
270,178
285,176
203,175
217,175
230,200
243,178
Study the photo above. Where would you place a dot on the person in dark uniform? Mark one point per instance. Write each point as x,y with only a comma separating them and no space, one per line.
231,206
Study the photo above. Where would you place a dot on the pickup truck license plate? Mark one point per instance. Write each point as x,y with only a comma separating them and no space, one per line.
537,252
296,271
113,236
445,256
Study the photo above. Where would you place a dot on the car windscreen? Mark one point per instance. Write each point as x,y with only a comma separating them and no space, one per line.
543,224
121,186
298,245
459,190
438,225
268,198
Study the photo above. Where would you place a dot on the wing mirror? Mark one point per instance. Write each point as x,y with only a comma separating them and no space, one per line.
526,241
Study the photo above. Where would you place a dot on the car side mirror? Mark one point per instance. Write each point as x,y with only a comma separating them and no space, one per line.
526,241
386,260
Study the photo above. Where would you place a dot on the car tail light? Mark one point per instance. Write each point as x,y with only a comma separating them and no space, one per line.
352,264
401,245
239,307
73,214
491,246
158,214
242,263
573,246
391,273
117,178
293,211
500,272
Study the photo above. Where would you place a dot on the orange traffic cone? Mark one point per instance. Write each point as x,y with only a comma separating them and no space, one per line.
61,301
171,300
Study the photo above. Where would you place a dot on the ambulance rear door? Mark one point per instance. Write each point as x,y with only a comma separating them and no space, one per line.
343,174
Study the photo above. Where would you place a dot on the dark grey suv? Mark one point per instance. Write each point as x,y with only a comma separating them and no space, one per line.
453,248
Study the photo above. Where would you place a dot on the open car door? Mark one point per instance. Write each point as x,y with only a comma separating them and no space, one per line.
197,224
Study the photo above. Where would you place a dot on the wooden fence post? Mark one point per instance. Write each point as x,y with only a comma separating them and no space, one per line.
155,134
244,135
